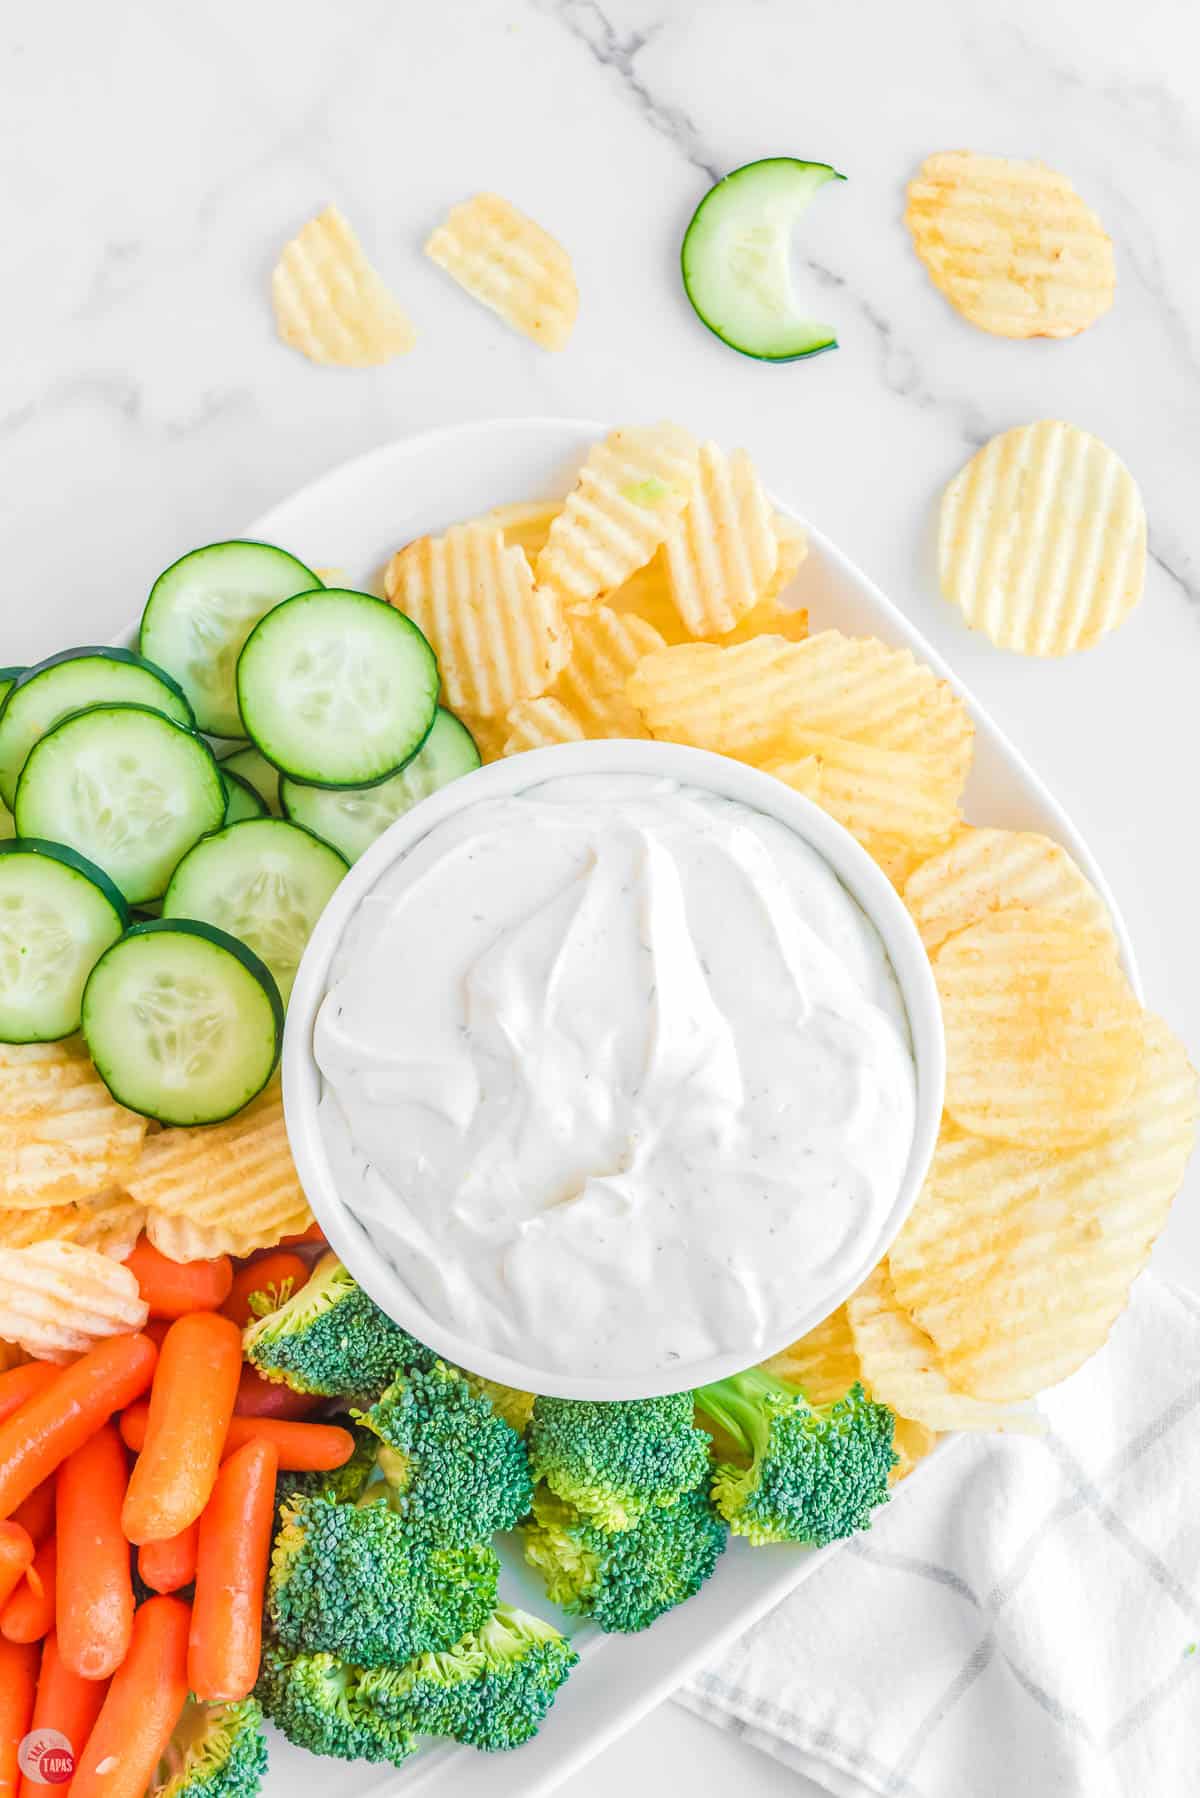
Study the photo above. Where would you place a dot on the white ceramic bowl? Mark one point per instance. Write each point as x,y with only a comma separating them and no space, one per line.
696,768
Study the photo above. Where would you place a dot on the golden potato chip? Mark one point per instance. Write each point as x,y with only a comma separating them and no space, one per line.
111,1222
895,855
723,554
912,1442
985,870
536,723
793,547
824,1364
497,639
238,1175
508,263
1017,1261
1044,1037
179,1239
875,792
62,1135
769,619
627,500
329,302
58,1299
1010,244
606,647
900,1365
647,594
490,734
525,525
803,775
1042,540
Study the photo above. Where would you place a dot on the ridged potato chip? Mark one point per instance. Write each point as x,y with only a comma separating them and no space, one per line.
58,1299
497,639
984,870
536,723
803,775
490,734
875,792
1042,540
329,302
62,1135
793,547
111,1222
238,1176
525,525
901,1367
824,1364
723,554
1010,244
510,264
647,594
1017,1262
627,500
912,1441
1044,1038
180,1239
769,619
606,647
897,857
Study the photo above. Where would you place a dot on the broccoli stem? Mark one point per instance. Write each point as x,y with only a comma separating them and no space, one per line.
736,1404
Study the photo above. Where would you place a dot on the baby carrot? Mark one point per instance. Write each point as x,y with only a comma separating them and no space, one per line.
191,1402
64,1702
168,1566
16,1554
257,1397
20,1383
276,1276
141,1708
56,1421
173,1288
302,1447
18,1673
314,1233
36,1513
94,1609
29,1613
225,1642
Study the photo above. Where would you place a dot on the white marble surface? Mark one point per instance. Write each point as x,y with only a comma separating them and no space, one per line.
154,157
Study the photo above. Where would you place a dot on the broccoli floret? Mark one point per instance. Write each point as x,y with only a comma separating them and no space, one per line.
513,1405
624,1578
448,1465
313,1700
613,1461
216,1751
351,1580
331,1339
815,1472
491,1690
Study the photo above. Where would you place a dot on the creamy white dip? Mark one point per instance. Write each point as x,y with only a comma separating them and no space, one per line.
616,1074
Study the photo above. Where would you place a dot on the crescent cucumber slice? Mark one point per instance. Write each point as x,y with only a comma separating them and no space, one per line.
248,765
201,610
736,259
125,787
8,680
58,914
264,881
46,694
337,688
183,1022
352,817
241,799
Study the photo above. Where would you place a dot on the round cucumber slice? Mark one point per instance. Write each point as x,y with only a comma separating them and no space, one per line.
264,881
125,787
8,680
183,1022
58,914
201,610
248,765
736,259
352,817
241,800
69,682
7,826
337,688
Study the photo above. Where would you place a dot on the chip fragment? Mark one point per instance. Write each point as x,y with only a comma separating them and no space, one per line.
511,265
1017,1261
984,870
1010,244
606,647
330,304
537,723
1042,540
524,525
497,638
62,1135
647,594
111,1222
1044,1037
723,554
875,792
58,1299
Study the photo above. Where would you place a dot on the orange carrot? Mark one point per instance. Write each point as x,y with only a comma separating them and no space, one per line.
36,1513
20,1383
142,1707
29,1613
174,1288
168,1566
18,1676
56,1421
156,1329
64,1702
257,1397
276,1276
16,1554
302,1447
191,1403
225,1642
314,1233
94,1610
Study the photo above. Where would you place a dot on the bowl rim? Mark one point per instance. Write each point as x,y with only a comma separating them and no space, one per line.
858,873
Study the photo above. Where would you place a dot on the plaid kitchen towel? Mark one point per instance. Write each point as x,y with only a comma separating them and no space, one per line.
1023,1621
